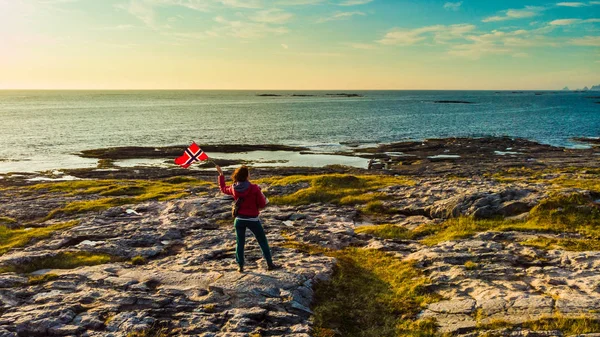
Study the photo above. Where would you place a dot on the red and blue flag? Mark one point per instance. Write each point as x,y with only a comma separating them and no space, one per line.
192,154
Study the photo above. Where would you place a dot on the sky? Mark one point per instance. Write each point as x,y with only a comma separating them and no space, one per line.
299,44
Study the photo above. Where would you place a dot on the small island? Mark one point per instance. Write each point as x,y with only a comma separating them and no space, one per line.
453,102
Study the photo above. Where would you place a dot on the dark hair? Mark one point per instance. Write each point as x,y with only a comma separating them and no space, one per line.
240,174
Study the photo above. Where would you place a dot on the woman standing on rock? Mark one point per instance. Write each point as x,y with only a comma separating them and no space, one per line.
249,200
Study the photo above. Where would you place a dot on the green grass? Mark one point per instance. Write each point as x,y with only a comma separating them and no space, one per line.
570,177
559,214
138,260
6,220
65,260
568,326
12,238
460,228
89,206
372,293
573,213
377,208
39,279
576,245
470,265
118,192
585,183
391,232
342,189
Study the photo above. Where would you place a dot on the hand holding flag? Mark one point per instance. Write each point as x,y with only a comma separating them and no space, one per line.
192,154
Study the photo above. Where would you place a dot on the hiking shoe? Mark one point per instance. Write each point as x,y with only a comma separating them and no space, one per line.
272,266
240,269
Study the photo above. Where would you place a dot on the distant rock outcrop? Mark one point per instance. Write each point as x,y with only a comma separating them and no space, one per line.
566,89
453,102
595,88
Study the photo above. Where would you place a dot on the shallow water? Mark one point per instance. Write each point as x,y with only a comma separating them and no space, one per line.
41,130
262,159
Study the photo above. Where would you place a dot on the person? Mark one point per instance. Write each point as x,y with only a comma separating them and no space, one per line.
253,200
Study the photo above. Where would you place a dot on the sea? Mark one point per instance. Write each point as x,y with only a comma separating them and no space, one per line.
44,130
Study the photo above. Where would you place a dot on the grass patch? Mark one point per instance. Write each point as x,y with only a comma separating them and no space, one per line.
377,208
124,190
138,260
39,279
573,213
89,206
470,265
576,245
459,228
372,293
6,220
569,177
391,232
341,189
568,326
12,238
584,183
118,192
65,260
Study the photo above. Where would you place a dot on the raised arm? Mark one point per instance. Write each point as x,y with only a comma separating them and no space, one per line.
224,188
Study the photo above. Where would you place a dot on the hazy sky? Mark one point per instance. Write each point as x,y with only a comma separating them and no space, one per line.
298,44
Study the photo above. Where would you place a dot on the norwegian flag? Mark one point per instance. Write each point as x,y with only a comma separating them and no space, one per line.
191,155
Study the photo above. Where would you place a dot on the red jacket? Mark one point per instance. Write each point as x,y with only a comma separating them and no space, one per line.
254,199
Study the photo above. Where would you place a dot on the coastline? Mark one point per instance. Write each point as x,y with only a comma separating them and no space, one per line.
461,156
483,237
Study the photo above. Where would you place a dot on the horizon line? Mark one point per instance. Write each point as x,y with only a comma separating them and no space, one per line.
179,89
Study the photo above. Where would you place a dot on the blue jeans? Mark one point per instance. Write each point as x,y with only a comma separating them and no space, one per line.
240,236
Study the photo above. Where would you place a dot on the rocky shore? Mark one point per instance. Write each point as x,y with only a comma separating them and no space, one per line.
481,244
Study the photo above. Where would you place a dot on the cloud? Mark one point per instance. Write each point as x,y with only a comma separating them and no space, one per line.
241,3
142,10
440,34
509,43
513,14
587,41
275,16
186,36
363,46
453,32
571,4
117,27
247,30
284,46
454,6
52,2
564,22
312,54
145,10
568,22
354,2
298,2
340,16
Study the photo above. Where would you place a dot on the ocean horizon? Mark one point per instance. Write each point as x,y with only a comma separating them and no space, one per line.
45,129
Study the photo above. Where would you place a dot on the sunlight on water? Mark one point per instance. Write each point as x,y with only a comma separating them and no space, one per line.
41,130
